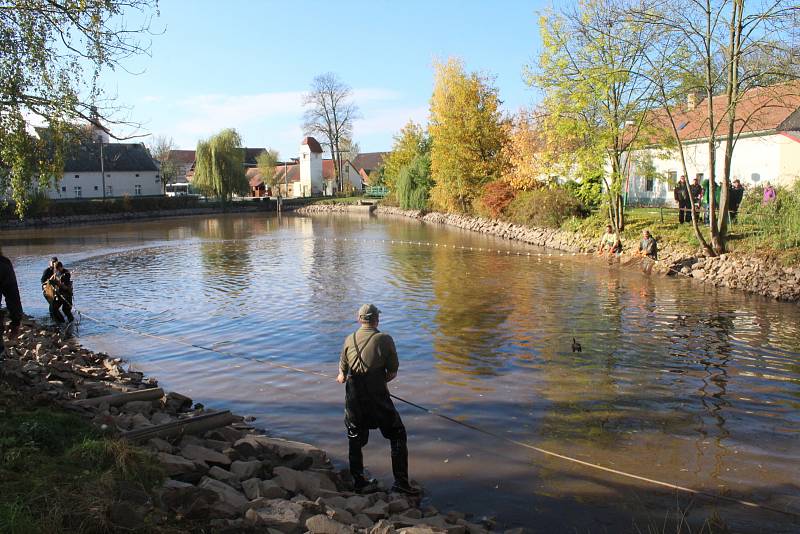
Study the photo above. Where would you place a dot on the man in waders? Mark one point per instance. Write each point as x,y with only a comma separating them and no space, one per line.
368,361
9,291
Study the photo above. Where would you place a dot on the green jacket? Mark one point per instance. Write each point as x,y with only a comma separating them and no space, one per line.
717,189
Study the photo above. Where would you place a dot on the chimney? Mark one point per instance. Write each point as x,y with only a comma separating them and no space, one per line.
693,99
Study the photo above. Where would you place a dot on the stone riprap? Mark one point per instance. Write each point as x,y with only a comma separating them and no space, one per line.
754,274
230,478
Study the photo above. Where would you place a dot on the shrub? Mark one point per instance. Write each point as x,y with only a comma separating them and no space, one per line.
495,198
548,207
413,183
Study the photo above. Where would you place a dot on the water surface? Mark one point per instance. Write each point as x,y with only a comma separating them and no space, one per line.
677,381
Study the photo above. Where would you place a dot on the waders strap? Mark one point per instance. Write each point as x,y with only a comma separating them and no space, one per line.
359,350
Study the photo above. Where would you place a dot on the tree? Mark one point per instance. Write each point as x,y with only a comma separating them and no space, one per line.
267,162
414,183
529,158
160,148
329,114
595,102
219,166
467,132
411,141
52,55
742,48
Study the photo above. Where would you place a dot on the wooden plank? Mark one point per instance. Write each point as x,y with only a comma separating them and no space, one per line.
122,398
190,425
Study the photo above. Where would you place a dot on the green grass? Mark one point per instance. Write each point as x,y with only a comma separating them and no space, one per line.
342,200
58,473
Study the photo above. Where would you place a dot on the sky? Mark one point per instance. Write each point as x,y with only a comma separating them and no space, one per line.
245,64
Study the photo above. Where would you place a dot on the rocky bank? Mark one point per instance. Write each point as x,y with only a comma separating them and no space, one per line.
753,274
220,471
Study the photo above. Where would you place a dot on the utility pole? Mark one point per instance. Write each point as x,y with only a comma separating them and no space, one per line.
102,168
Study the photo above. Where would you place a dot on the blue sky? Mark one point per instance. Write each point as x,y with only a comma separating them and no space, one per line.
245,64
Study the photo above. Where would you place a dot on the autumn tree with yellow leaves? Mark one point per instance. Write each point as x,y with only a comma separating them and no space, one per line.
409,143
467,132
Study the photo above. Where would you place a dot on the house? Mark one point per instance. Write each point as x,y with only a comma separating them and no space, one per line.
185,162
96,168
767,148
307,175
357,171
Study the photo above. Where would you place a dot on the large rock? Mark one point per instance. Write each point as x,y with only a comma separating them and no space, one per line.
377,511
245,470
322,524
356,503
175,465
205,455
226,493
187,500
309,483
224,476
253,445
276,513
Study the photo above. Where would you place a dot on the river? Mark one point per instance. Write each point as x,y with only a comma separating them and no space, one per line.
677,381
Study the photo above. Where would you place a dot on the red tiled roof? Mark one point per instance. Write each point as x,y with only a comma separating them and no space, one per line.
760,109
183,157
368,161
313,144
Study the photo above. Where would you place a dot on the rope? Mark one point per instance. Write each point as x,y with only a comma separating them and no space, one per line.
469,426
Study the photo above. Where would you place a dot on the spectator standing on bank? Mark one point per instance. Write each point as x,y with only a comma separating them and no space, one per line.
684,201
735,195
697,193
769,194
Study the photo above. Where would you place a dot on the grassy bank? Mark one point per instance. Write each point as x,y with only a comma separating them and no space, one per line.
59,474
747,235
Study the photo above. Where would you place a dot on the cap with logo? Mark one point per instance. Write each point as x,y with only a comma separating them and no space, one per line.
368,311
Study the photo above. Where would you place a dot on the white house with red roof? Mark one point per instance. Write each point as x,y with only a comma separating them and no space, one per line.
767,144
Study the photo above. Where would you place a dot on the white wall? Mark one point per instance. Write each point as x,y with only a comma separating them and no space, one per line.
118,184
352,175
758,159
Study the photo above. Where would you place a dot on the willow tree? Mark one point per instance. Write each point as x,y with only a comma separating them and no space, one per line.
595,103
219,166
52,56
467,136
409,143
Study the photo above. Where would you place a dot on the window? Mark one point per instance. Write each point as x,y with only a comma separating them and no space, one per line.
96,188
78,192
108,175
672,177
77,176
699,176
158,180
63,188
109,191
137,174
648,184
137,189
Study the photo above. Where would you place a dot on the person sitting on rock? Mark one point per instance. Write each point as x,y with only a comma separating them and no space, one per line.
61,281
648,247
9,290
609,242
367,362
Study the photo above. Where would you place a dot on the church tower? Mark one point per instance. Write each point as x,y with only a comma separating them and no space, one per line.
310,169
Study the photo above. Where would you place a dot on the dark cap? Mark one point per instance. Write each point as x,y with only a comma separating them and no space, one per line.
53,259
368,311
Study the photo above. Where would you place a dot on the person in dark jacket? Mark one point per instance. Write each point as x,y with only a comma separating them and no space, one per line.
61,282
10,292
697,195
46,276
684,201
367,362
736,194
